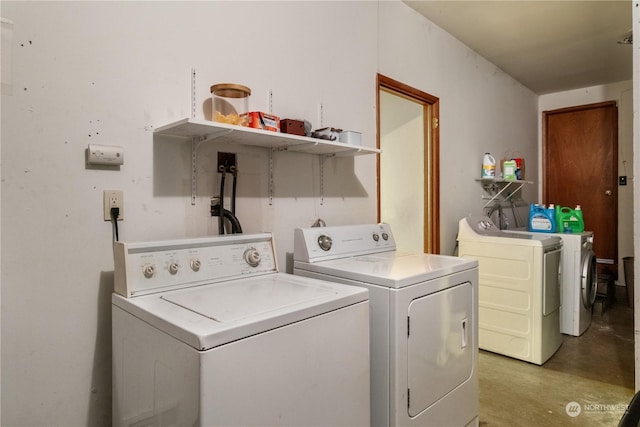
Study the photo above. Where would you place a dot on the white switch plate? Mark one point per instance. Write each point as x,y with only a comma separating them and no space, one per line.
113,199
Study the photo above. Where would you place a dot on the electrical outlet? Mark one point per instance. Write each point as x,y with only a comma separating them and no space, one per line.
622,180
226,160
113,199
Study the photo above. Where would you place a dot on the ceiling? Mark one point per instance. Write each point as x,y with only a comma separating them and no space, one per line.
548,46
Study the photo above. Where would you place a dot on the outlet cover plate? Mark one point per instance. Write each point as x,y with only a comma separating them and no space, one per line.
113,199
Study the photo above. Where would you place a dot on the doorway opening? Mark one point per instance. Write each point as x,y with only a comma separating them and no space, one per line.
408,168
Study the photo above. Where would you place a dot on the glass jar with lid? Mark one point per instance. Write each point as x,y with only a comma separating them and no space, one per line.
230,103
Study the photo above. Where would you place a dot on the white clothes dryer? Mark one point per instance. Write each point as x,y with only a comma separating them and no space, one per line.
423,322
519,289
579,281
207,332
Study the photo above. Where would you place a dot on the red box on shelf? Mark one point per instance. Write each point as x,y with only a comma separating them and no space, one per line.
260,120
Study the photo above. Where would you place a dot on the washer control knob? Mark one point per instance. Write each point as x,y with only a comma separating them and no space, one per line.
195,264
485,225
173,267
385,236
252,257
376,237
325,242
148,270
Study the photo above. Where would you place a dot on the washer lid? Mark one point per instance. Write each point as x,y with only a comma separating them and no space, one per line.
207,316
392,269
233,302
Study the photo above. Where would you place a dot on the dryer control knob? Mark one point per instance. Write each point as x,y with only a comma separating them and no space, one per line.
325,242
148,270
195,264
252,257
173,267
385,236
376,237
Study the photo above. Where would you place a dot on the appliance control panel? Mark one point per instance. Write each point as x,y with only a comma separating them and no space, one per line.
482,225
149,267
324,243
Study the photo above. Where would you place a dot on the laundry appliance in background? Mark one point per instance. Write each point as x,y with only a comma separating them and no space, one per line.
207,332
519,289
578,281
423,321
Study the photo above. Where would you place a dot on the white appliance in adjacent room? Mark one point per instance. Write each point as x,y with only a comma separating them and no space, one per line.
519,289
207,332
423,322
579,281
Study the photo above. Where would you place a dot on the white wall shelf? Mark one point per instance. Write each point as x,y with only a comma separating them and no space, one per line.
202,131
207,130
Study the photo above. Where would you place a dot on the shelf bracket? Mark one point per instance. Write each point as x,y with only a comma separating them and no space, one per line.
322,159
193,93
270,177
194,161
196,142
212,137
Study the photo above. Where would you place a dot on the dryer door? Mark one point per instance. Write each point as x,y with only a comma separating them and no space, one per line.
588,279
441,345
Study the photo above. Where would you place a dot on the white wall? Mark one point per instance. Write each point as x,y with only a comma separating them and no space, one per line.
481,109
621,92
107,72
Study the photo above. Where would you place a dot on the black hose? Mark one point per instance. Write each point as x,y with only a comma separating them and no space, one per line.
234,171
221,217
235,224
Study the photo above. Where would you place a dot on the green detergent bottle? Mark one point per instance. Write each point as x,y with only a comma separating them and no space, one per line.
569,220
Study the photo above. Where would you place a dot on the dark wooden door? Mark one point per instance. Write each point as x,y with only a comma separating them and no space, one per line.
580,167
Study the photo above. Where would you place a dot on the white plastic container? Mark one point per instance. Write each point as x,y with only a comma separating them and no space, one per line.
488,166
350,137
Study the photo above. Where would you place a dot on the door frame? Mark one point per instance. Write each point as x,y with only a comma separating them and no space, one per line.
431,119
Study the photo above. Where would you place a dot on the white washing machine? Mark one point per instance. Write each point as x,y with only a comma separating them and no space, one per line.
207,332
579,281
519,289
423,322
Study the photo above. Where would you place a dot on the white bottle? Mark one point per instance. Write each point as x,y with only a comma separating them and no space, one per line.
488,166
